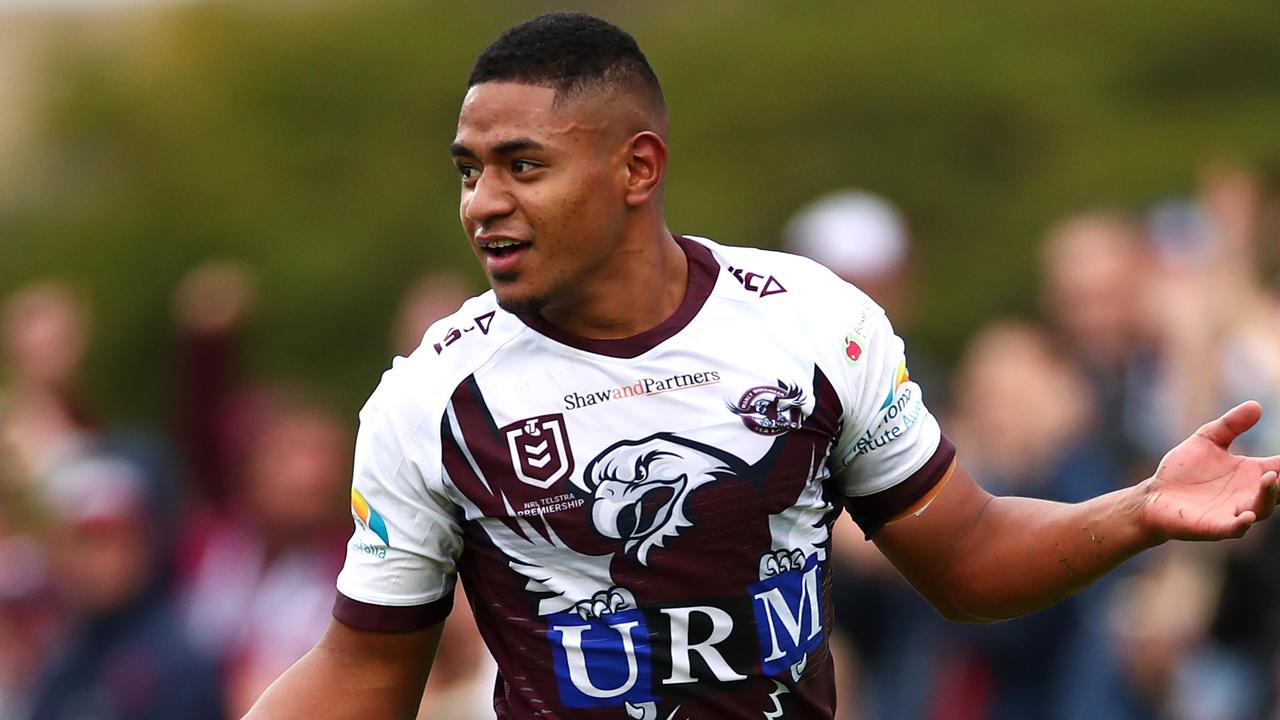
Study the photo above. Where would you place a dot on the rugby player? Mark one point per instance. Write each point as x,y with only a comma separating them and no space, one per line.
632,449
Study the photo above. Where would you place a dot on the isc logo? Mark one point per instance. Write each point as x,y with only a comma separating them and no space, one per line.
762,285
635,656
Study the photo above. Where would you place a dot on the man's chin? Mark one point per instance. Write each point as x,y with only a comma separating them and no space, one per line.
520,305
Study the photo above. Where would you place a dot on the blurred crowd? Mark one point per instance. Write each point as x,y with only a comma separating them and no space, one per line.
1151,322
174,573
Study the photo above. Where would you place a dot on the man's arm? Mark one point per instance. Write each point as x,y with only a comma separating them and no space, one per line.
354,674
980,558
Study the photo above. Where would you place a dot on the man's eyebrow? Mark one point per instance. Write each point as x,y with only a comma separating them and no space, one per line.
517,145
506,147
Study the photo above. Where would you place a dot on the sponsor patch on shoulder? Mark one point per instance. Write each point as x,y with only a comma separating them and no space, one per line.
368,518
853,348
899,378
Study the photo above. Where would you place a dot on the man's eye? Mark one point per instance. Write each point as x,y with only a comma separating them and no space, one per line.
468,173
520,166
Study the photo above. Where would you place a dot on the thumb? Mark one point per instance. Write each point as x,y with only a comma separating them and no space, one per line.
1224,430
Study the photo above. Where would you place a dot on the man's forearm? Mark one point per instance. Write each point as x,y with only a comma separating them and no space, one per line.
1008,556
1026,554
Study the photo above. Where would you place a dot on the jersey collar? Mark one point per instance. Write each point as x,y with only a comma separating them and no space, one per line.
703,270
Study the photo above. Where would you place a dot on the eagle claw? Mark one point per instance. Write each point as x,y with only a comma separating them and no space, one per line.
605,602
643,711
780,561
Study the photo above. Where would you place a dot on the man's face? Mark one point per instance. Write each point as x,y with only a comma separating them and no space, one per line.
542,192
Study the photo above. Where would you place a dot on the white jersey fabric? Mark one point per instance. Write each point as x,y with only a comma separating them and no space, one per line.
643,525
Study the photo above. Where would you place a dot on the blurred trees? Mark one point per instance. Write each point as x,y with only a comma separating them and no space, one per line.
310,140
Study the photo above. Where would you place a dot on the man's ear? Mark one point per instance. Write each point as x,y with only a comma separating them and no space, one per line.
646,167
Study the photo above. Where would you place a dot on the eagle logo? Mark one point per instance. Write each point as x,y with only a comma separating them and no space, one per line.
639,490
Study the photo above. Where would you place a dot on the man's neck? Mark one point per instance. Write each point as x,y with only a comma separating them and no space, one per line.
644,286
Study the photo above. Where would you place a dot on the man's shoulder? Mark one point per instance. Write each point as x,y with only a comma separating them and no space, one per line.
791,282
419,385
470,336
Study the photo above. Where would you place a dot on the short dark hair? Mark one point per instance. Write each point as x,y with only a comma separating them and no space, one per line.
572,52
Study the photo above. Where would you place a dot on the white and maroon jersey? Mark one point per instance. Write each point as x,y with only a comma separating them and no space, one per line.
643,525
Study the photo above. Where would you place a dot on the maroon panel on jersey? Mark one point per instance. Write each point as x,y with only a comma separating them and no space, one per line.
871,512
387,618
460,471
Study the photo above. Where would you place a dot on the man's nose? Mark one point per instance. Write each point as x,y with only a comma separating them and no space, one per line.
490,198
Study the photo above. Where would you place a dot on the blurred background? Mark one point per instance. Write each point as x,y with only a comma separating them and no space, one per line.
220,220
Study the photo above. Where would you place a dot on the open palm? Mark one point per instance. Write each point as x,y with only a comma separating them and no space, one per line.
1203,492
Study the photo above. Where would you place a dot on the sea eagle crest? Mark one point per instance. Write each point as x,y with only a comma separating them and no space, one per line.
639,490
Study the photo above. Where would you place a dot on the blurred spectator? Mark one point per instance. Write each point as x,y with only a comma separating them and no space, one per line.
263,541
1021,408
1023,415
1218,320
1220,324
1159,623
1098,279
259,579
887,638
43,415
125,656
861,238
219,415
865,240
1175,325
427,300
28,621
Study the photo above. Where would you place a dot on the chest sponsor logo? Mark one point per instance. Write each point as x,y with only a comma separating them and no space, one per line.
632,656
643,387
771,409
540,453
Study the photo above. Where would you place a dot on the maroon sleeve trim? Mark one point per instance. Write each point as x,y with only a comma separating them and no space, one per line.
871,512
388,618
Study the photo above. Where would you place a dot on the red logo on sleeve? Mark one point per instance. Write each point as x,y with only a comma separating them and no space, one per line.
852,349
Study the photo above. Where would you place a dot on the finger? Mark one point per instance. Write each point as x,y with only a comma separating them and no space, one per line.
1242,523
1267,497
1267,463
1227,428
1270,463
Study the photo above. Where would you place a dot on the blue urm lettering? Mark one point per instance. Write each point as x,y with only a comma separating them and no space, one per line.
602,662
788,614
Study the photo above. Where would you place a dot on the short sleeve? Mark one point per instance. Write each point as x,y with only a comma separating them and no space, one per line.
891,453
401,560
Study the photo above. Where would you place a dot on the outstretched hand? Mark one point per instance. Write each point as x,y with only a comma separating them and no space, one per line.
1201,491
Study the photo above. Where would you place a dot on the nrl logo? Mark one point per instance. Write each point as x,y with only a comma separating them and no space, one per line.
539,447
771,410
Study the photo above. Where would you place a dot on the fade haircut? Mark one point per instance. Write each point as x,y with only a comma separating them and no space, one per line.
573,53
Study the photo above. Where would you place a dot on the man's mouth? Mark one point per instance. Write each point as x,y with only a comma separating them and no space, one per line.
502,247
